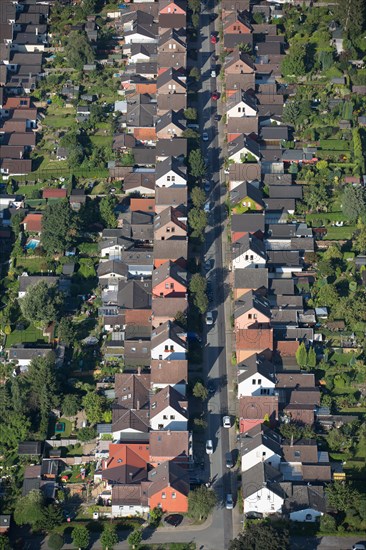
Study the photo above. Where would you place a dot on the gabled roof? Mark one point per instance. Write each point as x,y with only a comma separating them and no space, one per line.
32,448
260,435
33,222
304,496
170,164
169,444
139,179
302,450
251,278
167,307
166,371
169,474
171,147
234,17
249,222
242,125
133,294
169,269
172,249
254,339
169,216
241,96
168,397
255,365
238,56
171,196
127,463
132,390
124,419
244,190
167,330
291,380
171,117
172,34
112,266
251,301
130,495
248,243
243,142
259,476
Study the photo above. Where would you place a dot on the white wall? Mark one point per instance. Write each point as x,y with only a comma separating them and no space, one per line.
158,352
179,387
264,501
170,419
256,455
240,110
300,515
119,511
164,181
247,387
248,259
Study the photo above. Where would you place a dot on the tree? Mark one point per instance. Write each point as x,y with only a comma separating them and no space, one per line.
359,240
201,502
70,404
55,541
52,517
5,543
351,14
336,440
59,227
109,537
341,495
195,20
86,434
189,133
327,524
261,535
80,537
195,73
134,539
89,7
301,355
66,331
311,358
106,209
190,113
197,284
200,391
16,220
197,220
197,164
78,50
354,202
94,405
291,112
317,196
327,295
198,197
155,516
294,62
41,378
194,6
42,303
29,509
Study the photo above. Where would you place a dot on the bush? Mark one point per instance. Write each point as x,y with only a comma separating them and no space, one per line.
55,541
327,524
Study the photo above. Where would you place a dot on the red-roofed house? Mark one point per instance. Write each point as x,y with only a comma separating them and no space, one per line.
54,193
32,223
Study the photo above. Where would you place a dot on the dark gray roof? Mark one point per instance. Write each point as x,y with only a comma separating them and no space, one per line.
23,353
170,163
284,257
286,205
255,365
277,179
303,496
261,475
282,286
25,281
248,243
243,141
171,147
274,132
248,222
244,190
251,278
260,435
112,266
32,448
134,294
170,117
251,300
285,191
5,521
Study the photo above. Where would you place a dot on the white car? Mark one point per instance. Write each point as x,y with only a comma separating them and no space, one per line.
205,136
209,318
209,447
213,73
207,207
226,422
229,505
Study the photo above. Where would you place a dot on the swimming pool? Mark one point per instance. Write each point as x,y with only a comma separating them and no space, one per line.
32,244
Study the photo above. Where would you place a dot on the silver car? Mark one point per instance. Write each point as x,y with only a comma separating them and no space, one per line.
229,505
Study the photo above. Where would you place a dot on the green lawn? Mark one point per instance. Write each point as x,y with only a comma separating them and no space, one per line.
33,265
30,335
68,427
63,121
345,232
102,141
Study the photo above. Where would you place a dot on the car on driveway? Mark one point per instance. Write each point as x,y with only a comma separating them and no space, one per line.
211,387
209,318
208,206
213,38
229,504
226,422
205,136
229,460
208,265
173,519
209,447
213,73
207,186
215,96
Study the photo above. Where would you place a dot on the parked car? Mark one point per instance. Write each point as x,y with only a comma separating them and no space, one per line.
213,38
213,73
207,186
229,460
208,207
205,136
211,388
173,519
226,422
215,96
208,265
209,447
229,505
209,318
359,546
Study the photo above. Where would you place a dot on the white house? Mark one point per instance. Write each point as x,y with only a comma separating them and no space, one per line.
240,105
261,491
170,174
241,147
168,411
248,252
129,500
167,342
256,377
260,444
305,503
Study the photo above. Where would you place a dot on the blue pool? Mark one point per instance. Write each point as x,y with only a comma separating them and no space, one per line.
32,244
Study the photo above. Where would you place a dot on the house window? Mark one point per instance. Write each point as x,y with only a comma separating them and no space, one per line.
246,257
264,453
251,257
167,285
133,349
166,348
259,381
172,417
165,417
272,507
308,517
250,315
160,426
297,454
171,348
174,495
255,316
163,495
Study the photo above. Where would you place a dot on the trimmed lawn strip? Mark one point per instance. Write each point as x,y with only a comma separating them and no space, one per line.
30,335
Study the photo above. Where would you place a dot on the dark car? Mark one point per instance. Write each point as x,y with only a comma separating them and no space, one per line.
215,96
173,519
211,388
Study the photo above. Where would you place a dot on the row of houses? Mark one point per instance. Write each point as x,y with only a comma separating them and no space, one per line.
24,37
269,276
143,274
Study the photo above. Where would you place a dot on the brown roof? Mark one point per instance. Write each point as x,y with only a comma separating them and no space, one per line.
172,21
166,397
24,114
294,379
169,269
168,307
308,395
20,166
143,205
33,222
169,474
19,126
166,59
316,472
171,102
124,419
130,494
242,125
169,372
171,196
132,390
25,139
244,172
287,348
252,407
54,193
137,179
167,216
304,450
173,249
168,444
141,317
253,339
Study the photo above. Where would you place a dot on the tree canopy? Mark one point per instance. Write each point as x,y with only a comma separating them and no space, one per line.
341,496
259,536
59,227
294,63
106,210
201,501
354,202
42,303
80,536
29,509
109,537
197,164
78,50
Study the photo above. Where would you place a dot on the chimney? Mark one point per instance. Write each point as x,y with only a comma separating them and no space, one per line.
138,371
292,440
138,404
169,432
